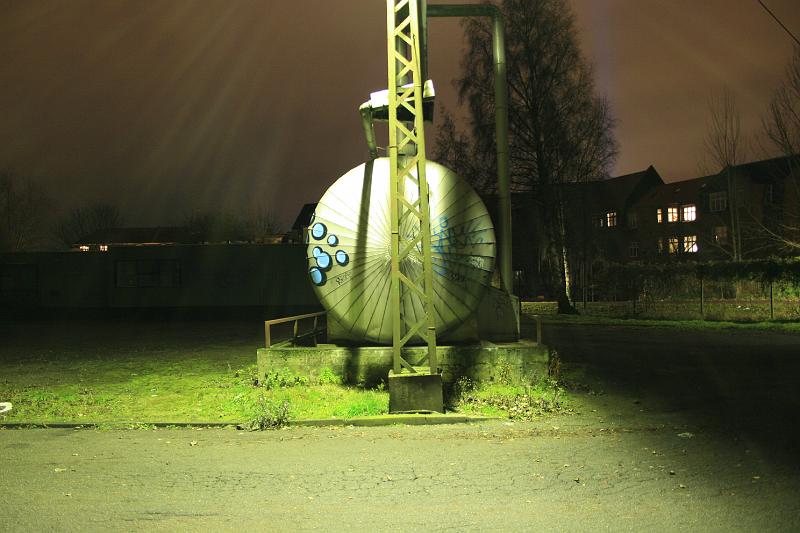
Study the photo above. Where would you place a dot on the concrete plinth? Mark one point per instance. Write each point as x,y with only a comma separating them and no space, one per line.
519,363
414,393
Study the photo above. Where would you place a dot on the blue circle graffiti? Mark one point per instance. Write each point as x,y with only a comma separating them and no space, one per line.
324,261
317,276
318,230
333,240
342,258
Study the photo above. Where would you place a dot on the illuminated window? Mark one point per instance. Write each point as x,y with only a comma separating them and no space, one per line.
689,213
660,245
611,219
103,247
720,235
633,221
659,216
633,249
83,248
673,245
718,201
600,220
690,244
672,214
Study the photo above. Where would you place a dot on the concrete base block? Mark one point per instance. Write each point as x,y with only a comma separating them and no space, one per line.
413,393
518,363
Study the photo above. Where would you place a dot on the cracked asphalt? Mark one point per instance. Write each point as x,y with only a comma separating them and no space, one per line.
653,446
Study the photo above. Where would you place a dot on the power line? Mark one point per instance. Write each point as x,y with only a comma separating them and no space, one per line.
787,30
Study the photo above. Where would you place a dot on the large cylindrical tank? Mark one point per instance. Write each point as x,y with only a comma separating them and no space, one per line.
349,262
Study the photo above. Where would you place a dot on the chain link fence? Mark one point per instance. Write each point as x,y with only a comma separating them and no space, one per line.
746,291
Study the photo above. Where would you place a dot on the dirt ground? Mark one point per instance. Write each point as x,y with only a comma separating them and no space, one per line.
673,431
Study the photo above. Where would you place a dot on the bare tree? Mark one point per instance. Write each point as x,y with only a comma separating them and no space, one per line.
726,148
782,129
82,222
455,150
560,132
782,123
254,226
260,225
25,211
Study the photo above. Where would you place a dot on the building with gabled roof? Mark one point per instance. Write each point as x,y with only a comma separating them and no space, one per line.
749,206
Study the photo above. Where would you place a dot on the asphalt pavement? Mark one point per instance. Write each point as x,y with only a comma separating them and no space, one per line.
654,444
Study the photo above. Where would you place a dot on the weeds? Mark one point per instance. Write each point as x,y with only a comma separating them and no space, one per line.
269,414
328,377
283,378
553,365
527,402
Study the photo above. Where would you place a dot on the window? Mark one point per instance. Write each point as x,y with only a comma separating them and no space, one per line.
673,245
633,249
718,201
103,247
157,273
611,219
633,220
690,244
672,214
660,245
659,217
83,248
600,220
720,235
689,213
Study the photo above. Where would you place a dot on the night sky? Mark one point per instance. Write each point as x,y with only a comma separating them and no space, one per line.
164,107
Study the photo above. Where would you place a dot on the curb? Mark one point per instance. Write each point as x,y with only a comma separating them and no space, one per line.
113,425
390,420
370,421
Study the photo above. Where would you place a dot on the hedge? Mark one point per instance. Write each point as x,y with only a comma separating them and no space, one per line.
773,269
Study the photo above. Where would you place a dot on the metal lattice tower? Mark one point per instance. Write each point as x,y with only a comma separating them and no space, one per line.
407,156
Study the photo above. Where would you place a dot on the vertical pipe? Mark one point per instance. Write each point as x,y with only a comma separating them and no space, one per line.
501,136
423,39
369,129
771,302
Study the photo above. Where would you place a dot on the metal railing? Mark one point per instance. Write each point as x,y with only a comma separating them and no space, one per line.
298,331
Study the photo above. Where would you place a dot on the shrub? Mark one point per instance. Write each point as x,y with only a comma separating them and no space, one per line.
269,414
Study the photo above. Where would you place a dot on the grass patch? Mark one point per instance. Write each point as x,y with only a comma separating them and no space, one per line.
149,372
516,402
172,394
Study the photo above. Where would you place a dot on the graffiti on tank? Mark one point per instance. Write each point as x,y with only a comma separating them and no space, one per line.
443,235
325,254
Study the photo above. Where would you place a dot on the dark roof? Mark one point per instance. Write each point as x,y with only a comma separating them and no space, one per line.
681,191
622,191
134,236
304,217
691,190
612,193
769,169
